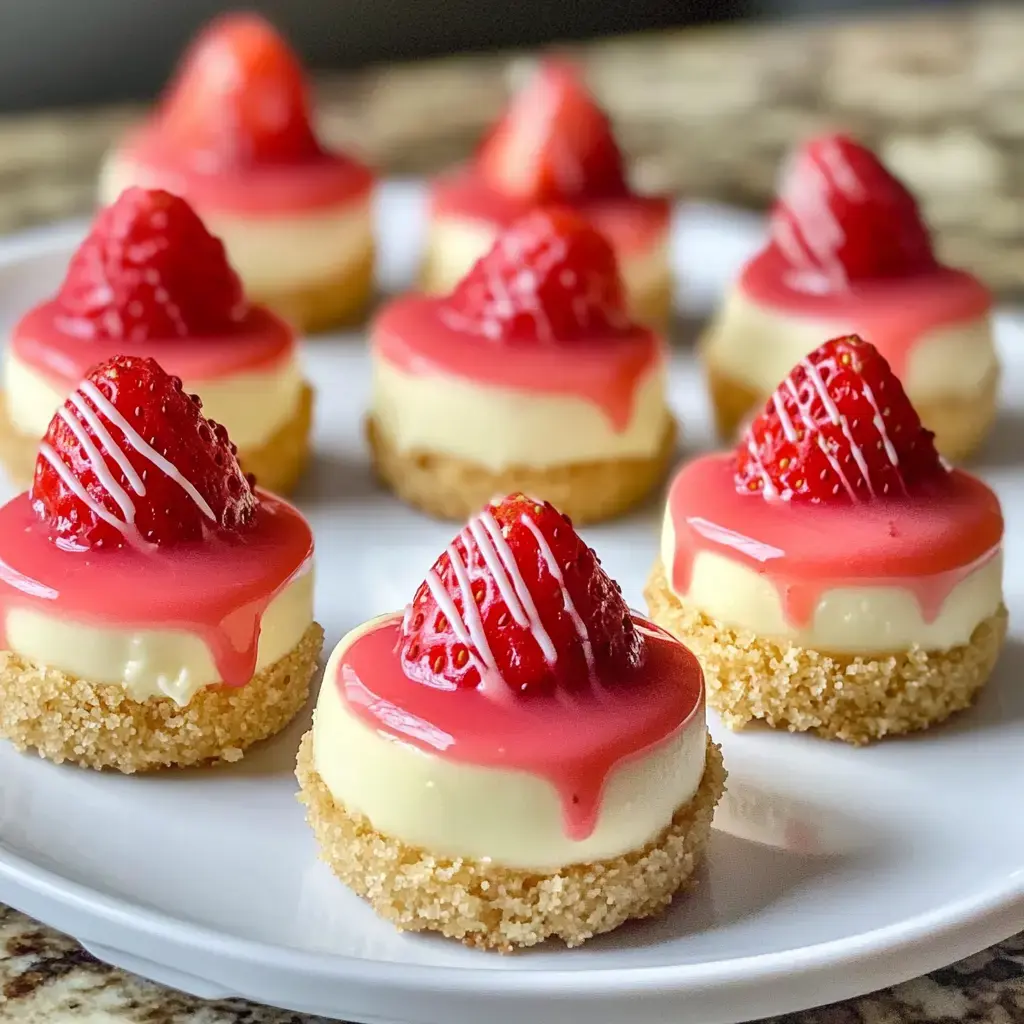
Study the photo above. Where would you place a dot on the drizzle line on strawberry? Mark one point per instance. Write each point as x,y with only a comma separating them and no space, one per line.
518,604
838,428
99,481
102,407
842,217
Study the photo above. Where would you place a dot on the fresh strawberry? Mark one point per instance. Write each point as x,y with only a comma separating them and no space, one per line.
839,429
549,278
842,217
519,603
149,269
130,459
240,98
554,143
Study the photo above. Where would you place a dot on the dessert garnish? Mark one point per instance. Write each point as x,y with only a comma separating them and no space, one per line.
842,217
240,99
129,459
549,278
149,270
838,429
554,143
518,603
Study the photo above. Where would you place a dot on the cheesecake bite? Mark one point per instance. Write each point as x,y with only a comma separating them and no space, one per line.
155,609
150,280
552,145
848,252
529,376
233,134
516,757
833,573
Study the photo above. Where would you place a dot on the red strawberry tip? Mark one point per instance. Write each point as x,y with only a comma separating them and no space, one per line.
518,604
129,459
838,430
549,278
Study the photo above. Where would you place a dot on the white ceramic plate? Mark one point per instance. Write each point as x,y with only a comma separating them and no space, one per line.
832,871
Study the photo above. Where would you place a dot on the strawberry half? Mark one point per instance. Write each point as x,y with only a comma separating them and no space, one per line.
149,270
240,99
130,459
519,603
842,216
839,429
549,278
554,143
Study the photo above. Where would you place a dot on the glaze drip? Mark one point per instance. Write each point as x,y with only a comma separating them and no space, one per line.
575,747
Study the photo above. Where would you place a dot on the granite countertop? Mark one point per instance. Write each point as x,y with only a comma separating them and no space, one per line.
706,113
46,978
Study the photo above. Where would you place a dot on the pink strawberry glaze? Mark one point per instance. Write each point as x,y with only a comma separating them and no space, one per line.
411,334
894,314
926,544
217,590
573,745
330,179
633,224
260,341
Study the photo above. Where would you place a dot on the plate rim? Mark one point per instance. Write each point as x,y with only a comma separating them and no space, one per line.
933,927
968,924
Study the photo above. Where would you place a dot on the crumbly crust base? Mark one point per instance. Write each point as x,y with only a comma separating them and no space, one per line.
278,463
499,908
451,488
651,305
855,698
341,300
960,424
96,725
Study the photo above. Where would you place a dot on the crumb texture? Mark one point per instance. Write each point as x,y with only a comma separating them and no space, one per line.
338,301
277,464
960,424
96,725
847,697
499,908
452,488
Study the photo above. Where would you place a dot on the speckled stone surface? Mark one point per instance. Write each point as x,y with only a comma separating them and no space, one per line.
46,978
708,113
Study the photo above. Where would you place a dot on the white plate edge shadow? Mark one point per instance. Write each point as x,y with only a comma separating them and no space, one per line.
174,948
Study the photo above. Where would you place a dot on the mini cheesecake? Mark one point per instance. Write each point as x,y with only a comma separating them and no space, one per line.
151,280
529,376
553,145
233,135
517,757
848,252
155,610
832,573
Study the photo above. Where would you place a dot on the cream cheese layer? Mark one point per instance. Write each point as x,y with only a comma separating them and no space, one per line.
506,815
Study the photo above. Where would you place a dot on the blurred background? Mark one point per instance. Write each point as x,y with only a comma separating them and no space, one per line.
61,52
706,97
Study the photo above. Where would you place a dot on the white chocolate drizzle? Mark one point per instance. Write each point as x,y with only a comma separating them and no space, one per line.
553,567
839,420
78,415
